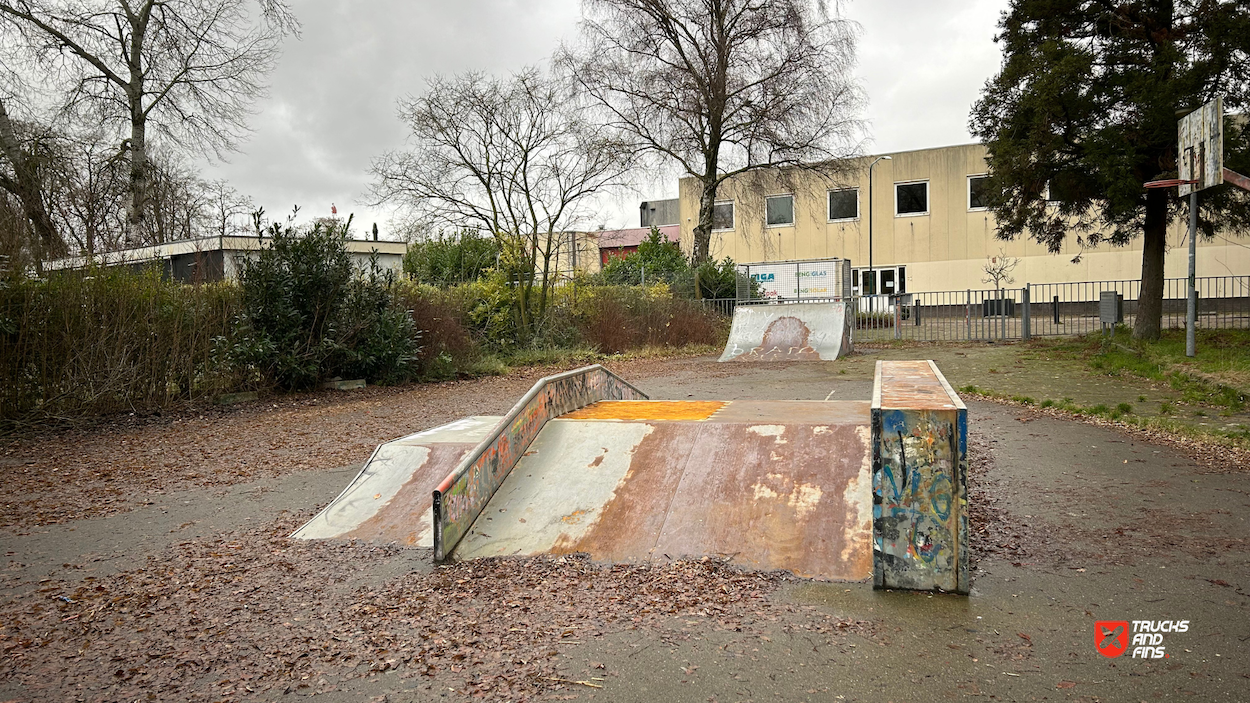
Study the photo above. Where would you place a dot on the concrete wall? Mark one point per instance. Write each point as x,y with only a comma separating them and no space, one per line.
659,212
943,249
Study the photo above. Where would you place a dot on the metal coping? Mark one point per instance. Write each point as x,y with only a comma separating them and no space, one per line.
878,382
359,475
440,550
794,301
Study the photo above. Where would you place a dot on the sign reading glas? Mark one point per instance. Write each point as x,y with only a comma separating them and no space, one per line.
796,280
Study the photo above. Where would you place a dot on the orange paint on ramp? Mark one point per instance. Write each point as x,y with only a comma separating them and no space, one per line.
636,410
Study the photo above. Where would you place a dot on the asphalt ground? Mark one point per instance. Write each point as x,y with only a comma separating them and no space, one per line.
1072,524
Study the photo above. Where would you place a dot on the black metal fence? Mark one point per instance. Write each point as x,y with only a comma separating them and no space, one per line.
1045,309
1036,310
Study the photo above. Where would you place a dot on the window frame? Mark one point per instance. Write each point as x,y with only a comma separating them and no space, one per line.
829,193
927,198
733,215
794,216
971,176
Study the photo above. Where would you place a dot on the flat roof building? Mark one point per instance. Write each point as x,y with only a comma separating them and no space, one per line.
930,230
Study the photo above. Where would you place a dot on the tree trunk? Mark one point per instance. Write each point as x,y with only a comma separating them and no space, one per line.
1154,244
703,230
136,212
26,186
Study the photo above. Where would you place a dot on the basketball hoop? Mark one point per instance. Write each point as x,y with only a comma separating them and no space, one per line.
1170,183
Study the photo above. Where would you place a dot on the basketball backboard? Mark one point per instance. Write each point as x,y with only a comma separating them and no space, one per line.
1200,147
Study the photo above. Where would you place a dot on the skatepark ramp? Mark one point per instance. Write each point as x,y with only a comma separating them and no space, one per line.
842,490
789,332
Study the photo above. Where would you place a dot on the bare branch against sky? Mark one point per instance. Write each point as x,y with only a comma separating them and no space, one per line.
332,100
189,71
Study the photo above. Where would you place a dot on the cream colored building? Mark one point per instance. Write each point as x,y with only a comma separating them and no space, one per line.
929,232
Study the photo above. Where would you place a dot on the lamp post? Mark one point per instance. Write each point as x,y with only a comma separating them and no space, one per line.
871,273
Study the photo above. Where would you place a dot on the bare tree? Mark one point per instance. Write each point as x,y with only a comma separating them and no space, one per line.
89,205
20,175
998,269
228,209
723,87
510,156
189,70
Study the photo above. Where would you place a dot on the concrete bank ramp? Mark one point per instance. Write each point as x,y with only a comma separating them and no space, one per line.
390,499
768,484
789,332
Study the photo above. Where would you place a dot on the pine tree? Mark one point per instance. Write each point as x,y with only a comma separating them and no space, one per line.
1084,112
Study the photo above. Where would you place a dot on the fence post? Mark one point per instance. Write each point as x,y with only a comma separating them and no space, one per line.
798,285
1056,304
915,308
968,312
1026,321
898,316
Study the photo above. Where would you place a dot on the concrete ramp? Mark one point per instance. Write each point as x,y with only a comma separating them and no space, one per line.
767,484
789,332
390,499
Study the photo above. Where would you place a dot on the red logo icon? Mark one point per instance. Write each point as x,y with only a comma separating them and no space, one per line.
1111,637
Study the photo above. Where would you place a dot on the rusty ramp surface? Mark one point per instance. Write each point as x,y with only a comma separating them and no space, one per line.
767,484
390,499
789,332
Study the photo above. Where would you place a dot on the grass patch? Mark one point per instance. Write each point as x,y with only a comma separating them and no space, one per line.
1218,377
1237,438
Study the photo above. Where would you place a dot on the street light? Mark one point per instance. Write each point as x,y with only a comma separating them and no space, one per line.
872,274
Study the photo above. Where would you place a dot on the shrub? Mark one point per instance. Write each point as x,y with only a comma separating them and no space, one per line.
103,341
620,318
446,345
309,314
656,260
450,259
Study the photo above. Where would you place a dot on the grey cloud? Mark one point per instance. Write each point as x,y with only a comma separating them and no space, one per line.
333,98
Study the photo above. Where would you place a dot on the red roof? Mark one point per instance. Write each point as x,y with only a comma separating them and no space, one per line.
614,238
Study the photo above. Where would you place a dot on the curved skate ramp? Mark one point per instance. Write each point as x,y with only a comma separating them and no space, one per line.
789,332
767,484
391,498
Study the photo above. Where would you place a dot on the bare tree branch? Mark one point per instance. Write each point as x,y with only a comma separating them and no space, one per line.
722,87
513,156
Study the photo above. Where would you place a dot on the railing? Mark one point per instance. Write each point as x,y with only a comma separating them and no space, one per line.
724,306
1045,309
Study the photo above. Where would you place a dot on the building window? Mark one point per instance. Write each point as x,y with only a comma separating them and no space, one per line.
976,192
844,204
779,210
723,215
911,198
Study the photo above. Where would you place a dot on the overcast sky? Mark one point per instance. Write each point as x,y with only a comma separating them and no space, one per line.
332,104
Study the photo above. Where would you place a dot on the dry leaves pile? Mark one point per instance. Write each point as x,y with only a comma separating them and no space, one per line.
54,477
57,475
254,612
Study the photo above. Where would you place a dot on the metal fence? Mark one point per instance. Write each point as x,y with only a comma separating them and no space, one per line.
1045,309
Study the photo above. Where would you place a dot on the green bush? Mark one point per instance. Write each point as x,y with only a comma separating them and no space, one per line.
450,259
309,314
102,341
656,260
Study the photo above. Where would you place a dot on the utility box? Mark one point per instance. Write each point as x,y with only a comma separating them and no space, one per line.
1110,308
998,307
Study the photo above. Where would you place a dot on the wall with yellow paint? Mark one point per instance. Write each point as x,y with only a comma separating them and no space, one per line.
943,249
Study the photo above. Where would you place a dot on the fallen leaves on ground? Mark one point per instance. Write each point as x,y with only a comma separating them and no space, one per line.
254,612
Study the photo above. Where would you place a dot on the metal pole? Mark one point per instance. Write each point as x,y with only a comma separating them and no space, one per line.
968,312
1191,308
1026,319
862,287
